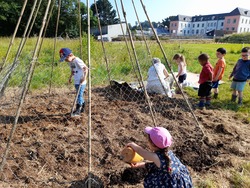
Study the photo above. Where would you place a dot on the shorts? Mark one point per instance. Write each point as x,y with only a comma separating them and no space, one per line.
215,84
238,86
205,89
181,78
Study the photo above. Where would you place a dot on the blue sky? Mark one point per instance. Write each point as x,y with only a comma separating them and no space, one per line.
160,9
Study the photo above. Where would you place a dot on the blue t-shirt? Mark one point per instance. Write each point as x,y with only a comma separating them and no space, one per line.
241,71
161,178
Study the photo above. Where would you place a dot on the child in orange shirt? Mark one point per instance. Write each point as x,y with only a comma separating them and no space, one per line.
219,70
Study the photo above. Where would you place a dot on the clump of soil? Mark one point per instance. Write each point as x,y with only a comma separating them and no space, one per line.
50,148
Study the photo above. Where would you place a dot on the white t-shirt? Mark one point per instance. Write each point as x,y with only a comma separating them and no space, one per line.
76,67
155,69
184,69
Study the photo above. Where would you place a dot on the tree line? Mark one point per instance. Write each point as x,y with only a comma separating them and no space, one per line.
69,17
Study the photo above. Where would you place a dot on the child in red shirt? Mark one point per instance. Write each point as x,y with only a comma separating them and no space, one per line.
205,81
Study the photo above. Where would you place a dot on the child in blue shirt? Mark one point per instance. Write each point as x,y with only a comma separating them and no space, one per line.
240,74
165,170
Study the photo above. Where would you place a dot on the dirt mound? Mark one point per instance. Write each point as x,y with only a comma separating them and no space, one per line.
51,149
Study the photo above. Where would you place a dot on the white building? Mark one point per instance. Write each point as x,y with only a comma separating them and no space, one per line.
237,21
109,32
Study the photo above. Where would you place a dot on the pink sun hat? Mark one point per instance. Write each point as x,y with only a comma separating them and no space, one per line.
159,136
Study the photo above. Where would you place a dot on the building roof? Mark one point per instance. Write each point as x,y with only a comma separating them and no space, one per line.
209,17
182,18
239,11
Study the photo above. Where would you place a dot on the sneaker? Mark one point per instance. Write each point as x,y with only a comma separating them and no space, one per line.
234,97
215,95
76,114
201,104
208,103
240,102
83,108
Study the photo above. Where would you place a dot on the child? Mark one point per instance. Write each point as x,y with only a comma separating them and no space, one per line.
165,170
159,81
182,68
79,70
205,81
240,74
219,70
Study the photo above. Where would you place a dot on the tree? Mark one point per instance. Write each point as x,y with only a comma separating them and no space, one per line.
106,12
166,21
9,13
68,23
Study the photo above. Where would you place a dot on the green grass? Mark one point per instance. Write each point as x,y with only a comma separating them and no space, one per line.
241,178
120,65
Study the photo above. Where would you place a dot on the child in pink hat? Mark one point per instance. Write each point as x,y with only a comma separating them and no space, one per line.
164,169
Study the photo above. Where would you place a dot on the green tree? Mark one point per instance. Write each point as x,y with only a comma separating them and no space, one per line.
9,14
106,12
166,21
68,23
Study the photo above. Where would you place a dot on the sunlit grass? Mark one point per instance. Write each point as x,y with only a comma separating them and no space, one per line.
120,65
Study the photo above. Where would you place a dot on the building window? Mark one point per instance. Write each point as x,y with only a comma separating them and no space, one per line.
181,25
227,29
197,31
228,21
246,21
192,31
185,25
242,21
181,31
208,24
188,31
198,25
175,24
188,25
233,28
240,29
202,25
172,24
244,29
202,31
193,25
234,21
184,32
215,24
222,23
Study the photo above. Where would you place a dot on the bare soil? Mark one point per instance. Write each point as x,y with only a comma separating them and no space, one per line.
50,148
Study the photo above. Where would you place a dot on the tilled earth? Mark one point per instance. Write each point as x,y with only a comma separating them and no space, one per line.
50,148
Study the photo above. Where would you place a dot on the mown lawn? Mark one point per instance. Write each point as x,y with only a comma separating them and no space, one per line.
120,65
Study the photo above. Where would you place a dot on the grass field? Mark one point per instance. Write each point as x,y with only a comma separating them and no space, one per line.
120,65
122,69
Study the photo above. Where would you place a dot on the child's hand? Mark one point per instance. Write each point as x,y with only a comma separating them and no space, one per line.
137,165
82,80
70,80
132,145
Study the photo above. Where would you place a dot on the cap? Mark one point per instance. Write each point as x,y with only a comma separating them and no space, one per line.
159,136
156,60
64,53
